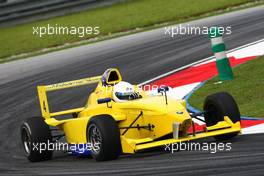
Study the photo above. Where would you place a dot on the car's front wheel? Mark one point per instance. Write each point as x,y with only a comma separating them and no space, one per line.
218,105
104,137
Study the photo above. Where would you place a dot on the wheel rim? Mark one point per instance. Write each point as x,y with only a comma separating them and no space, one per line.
26,140
95,138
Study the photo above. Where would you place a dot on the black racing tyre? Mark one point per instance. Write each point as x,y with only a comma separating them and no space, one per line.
104,136
35,132
218,105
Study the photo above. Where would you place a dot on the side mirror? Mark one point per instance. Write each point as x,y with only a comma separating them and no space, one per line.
104,100
163,89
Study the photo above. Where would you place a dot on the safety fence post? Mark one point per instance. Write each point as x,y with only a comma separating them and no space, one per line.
218,47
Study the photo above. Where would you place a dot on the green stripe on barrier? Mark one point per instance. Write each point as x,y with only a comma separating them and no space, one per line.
224,69
214,32
218,48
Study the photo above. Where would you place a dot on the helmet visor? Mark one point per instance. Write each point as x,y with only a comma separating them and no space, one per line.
128,96
123,96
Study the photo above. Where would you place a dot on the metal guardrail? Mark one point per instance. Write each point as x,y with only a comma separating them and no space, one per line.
31,10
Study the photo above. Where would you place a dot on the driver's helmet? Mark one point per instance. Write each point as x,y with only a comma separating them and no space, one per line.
124,91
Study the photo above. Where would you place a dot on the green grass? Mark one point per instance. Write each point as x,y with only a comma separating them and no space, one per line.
117,18
247,88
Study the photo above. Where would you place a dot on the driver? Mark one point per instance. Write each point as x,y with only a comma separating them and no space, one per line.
124,91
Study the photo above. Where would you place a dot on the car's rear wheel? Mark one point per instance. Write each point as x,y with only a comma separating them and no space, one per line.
35,137
104,137
218,105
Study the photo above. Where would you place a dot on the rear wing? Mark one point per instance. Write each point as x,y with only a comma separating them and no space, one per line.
43,100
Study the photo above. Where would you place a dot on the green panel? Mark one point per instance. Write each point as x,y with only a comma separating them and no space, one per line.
214,32
218,48
224,69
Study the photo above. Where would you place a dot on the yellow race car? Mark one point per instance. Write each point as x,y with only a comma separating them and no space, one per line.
123,118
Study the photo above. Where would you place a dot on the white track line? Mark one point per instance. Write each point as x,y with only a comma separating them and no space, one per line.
198,62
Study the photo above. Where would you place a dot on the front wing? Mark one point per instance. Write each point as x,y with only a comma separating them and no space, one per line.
223,127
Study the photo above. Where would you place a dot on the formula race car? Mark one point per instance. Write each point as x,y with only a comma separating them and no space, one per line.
122,118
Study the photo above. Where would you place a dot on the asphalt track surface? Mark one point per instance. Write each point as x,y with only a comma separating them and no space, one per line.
139,57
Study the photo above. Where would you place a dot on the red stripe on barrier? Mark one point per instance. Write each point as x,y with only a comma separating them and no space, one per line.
244,124
196,73
249,123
